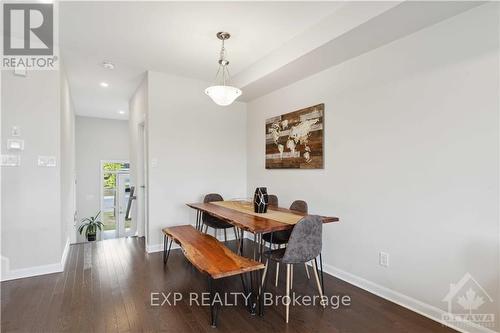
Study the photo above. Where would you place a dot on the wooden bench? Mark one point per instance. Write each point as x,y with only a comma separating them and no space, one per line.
212,258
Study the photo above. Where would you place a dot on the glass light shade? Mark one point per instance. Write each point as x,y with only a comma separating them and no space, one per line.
223,95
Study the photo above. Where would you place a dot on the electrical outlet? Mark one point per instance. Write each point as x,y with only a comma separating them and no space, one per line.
383,259
47,161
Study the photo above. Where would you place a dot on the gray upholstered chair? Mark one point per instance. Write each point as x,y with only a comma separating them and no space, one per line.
273,200
303,246
281,237
299,205
212,221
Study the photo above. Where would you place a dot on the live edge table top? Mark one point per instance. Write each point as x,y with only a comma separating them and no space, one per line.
249,222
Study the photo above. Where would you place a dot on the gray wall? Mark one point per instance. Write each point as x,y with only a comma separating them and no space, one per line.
96,140
411,161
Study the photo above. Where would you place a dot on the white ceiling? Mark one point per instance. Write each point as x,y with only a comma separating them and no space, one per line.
174,37
273,43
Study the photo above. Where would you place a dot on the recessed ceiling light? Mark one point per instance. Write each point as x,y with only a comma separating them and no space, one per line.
108,65
104,84
121,112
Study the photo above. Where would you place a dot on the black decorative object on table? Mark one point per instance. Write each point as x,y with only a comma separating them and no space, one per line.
260,200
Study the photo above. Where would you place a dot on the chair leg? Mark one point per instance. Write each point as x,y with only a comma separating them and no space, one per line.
225,236
277,268
263,289
322,277
307,271
320,290
265,272
288,271
277,273
206,228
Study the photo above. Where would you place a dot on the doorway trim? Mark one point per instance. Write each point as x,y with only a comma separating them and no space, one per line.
142,181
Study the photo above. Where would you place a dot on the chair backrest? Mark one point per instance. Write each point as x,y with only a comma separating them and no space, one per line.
299,205
305,241
272,200
211,197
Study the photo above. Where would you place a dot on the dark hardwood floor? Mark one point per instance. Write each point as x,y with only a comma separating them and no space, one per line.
107,285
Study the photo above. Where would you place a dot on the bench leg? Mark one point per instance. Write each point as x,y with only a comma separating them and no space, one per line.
245,289
166,252
214,309
164,247
242,237
198,220
254,292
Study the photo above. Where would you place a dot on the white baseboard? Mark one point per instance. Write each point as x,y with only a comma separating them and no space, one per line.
64,256
8,274
405,301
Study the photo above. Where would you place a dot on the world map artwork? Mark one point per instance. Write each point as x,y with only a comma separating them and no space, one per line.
295,140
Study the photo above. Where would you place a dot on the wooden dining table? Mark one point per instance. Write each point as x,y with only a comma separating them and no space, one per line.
257,224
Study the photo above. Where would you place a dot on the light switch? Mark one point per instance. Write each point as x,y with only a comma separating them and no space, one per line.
11,160
47,161
15,144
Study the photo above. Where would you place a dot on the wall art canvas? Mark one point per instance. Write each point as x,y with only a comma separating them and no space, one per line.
295,140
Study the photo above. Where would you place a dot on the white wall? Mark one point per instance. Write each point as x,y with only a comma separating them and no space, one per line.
411,160
138,107
31,196
198,147
96,140
68,171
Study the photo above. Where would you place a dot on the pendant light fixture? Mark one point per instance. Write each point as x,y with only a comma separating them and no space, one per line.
222,93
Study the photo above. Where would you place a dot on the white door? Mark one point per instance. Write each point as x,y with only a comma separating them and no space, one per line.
125,227
115,191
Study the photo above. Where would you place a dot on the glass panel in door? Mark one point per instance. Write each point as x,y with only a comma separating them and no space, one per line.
109,196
